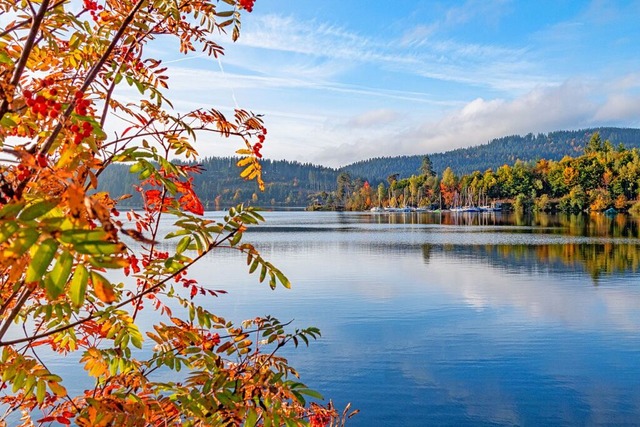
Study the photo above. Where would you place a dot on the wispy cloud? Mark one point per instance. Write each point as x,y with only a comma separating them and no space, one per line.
372,118
491,65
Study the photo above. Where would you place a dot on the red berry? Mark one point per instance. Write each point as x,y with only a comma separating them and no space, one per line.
42,160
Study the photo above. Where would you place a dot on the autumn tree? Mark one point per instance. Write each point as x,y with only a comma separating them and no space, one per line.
448,186
61,242
382,192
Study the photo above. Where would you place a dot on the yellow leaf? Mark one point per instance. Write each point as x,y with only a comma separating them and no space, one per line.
57,388
247,171
244,161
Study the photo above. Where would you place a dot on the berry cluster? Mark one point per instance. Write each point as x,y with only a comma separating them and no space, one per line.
41,105
247,4
81,132
258,146
93,7
23,172
81,104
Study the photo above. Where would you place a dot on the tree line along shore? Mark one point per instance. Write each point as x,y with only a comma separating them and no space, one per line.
603,178
600,175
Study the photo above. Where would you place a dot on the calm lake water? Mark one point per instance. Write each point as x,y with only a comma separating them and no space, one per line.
468,319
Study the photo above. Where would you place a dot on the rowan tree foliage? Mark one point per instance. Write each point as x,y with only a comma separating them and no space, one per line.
61,63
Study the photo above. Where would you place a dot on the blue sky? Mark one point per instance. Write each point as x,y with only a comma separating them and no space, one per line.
341,81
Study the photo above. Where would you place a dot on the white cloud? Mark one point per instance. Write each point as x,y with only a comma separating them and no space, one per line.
619,109
571,105
372,118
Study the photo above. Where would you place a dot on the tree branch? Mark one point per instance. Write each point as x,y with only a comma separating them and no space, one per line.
93,73
95,315
22,62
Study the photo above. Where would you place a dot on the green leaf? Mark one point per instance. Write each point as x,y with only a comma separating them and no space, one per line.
140,86
55,281
99,247
137,167
283,279
78,286
254,265
79,236
23,242
263,273
176,234
5,58
252,418
37,209
6,121
9,210
107,261
41,259
310,393
236,239
8,229
183,244
41,389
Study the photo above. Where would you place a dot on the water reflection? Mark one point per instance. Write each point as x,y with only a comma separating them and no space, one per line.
597,260
592,225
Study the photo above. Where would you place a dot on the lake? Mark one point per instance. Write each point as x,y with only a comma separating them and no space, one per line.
445,319
448,319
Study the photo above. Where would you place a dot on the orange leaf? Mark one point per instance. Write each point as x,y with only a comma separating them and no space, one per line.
102,288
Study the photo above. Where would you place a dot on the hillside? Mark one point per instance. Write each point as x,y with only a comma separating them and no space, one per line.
500,151
293,183
287,183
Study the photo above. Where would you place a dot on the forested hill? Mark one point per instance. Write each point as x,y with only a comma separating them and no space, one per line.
219,185
500,151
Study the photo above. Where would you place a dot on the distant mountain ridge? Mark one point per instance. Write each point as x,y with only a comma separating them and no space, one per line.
495,153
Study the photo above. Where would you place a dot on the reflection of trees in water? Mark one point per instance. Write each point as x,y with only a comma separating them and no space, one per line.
594,259
426,253
592,225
